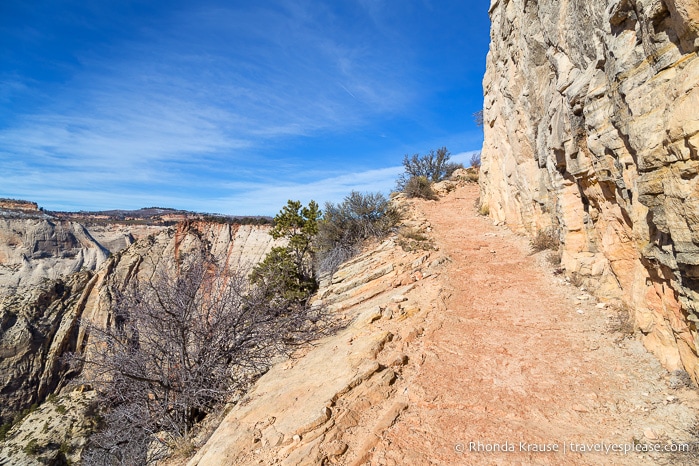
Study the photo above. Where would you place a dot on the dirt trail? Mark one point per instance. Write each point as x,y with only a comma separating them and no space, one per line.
520,356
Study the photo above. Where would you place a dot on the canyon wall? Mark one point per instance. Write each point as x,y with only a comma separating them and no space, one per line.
591,121
37,247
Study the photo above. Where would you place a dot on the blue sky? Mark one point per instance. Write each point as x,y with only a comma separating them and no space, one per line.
230,107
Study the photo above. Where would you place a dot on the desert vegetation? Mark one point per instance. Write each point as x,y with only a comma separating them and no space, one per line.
192,336
545,239
421,171
347,225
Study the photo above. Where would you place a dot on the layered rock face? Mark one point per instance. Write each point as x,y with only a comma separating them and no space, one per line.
15,204
591,121
36,329
36,248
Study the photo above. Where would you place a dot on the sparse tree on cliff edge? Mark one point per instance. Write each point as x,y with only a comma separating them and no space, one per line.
290,268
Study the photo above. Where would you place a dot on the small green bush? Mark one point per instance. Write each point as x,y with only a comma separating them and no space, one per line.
4,429
287,272
31,448
419,186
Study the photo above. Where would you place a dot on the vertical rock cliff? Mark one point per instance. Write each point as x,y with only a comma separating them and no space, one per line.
591,120
34,247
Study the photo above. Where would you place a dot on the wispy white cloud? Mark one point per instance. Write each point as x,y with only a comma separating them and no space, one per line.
268,197
214,85
201,108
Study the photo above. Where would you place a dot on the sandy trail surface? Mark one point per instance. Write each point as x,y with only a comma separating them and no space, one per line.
521,360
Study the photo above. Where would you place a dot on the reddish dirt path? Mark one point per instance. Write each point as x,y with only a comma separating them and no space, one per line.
516,359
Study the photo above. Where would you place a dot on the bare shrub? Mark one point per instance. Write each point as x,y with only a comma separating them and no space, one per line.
478,118
476,160
347,225
434,167
545,239
472,175
576,279
419,186
177,346
411,239
554,259
483,208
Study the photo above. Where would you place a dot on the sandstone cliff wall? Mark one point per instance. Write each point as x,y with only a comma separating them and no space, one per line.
591,120
33,249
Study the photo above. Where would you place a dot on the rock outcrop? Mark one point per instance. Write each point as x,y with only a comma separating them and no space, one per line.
116,237
16,204
33,248
592,130
36,329
331,403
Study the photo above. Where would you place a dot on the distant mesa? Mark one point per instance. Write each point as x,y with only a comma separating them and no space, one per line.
162,216
18,204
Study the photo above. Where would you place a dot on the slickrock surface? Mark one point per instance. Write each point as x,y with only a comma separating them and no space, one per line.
591,128
335,400
475,341
54,433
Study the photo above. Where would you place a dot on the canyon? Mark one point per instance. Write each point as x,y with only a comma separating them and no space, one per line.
454,332
45,315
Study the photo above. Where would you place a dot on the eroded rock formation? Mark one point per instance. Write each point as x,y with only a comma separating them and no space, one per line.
36,329
592,129
33,248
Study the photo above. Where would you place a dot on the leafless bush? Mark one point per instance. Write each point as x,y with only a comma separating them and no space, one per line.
176,347
434,167
476,160
545,239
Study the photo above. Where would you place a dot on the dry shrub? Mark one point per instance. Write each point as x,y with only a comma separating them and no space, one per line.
622,321
347,225
411,239
434,166
576,279
420,186
545,239
471,175
554,259
484,210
